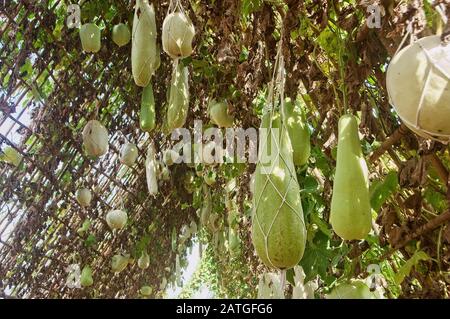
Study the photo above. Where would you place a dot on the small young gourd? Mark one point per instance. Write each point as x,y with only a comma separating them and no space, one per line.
144,261
121,34
95,139
116,219
147,118
86,279
84,197
218,111
298,132
128,154
90,36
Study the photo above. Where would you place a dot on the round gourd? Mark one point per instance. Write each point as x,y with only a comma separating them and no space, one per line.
144,261
121,34
90,36
86,279
418,85
116,219
170,157
119,263
357,289
84,197
177,35
128,154
95,139
219,114
146,291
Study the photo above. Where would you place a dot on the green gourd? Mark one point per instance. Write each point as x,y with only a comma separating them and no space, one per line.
356,289
119,262
218,111
147,115
350,214
298,132
146,291
144,261
144,50
177,35
121,34
179,98
84,197
86,279
90,36
278,227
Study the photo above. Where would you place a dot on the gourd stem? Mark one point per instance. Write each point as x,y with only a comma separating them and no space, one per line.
283,280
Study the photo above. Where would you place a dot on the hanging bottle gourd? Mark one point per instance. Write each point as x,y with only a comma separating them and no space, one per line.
84,197
298,132
278,227
90,36
177,108
95,139
150,170
218,112
147,115
418,84
144,50
350,203
116,219
177,33
121,34
128,154
86,279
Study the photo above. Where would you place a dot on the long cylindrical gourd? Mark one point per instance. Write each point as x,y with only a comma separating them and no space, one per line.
298,132
147,115
150,170
350,214
179,98
144,51
278,227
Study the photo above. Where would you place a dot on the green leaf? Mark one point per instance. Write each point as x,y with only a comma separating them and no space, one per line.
90,240
381,190
405,270
11,156
317,256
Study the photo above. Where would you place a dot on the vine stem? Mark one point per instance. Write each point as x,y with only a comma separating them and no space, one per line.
388,143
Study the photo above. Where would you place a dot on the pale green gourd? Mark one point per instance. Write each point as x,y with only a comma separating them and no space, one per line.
144,50
298,132
121,34
177,35
278,227
90,36
350,214
147,117
86,279
178,105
